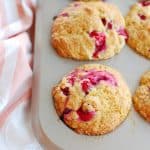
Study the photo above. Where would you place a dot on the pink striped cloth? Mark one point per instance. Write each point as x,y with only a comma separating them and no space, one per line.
16,18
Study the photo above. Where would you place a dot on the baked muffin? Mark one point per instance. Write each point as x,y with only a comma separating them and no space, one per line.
92,99
89,31
141,97
138,28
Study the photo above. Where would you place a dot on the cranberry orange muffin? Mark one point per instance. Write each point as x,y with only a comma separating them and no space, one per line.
138,27
89,31
141,97
92,99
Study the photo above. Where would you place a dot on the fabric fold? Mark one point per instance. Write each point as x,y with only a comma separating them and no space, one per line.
16,19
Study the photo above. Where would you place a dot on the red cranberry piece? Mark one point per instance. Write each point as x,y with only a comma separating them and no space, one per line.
65,15
142,17
93,77
93,80
85,116
98,50
100,42
72,80
65,91
104,21
110,25
85,86
96,76
94,34
145,3
72,77
67,111
123,32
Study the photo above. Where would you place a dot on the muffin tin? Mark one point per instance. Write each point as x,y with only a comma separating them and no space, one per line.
49,68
